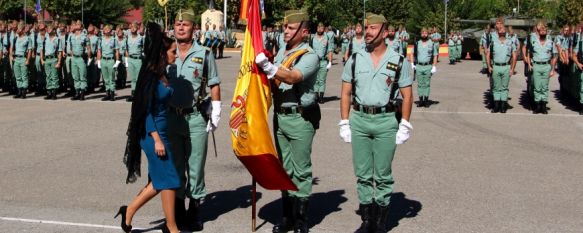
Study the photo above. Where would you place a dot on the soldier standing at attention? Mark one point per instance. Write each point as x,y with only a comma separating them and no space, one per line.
5,75
108,60
451,47
121,40
345,37
222,41
357,42
20,54
436,38
393,41
563,42
423,61
323,48
92,70
501,59
194,71
404,36
78,44
577,56
297,114
542,63
484,40
458,46
208,38
38,38
133,56
370,81
50,58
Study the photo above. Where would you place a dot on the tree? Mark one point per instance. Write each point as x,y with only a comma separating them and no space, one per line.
571,13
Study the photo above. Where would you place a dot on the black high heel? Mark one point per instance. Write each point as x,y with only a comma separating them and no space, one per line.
122,211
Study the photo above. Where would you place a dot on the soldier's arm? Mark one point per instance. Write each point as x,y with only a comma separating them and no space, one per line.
345,98
488,59
42,56
407,94
513,63
575,58
28,55
99,54
289,76
216,93
116,54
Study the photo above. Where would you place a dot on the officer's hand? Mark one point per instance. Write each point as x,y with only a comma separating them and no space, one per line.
413,66
159,148
529,67
89,61
126,62
58,65
489,70
552,73
433,69
42,62
345,132
580,65
99,64
26,62
512,72
116,64
216,113
404,132
329,65
262,61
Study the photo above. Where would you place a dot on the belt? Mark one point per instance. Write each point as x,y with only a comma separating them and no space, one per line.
182,111
77,55
38,54
501,64
373,109
50,57
423,64
541,63
290,110
107,58
135,57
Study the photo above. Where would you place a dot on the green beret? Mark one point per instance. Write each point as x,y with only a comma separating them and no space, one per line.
185,15
374,19
295,16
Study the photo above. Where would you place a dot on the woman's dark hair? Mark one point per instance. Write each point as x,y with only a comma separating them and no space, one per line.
154,63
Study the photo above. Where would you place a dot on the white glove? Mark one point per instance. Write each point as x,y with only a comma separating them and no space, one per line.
329,65
126,62
99,64
433,69
404,132
210,127
116,64
89,61
413,66
215,113
345,133
268,67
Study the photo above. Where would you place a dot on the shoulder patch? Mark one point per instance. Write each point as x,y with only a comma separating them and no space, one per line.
197,60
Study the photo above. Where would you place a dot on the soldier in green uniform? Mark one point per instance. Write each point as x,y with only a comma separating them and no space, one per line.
577,57
484,40
458,46
50,58
393,41
542,64
436,38
357,43
188,127
451,47
345,38
323,48
38,36
501,58
78,47
424,61
93,75
108,60
4,65
370,81
121,40
331,40
404,37
133,56
20,54
297,114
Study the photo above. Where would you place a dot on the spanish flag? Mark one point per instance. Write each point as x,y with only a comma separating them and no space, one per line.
250,133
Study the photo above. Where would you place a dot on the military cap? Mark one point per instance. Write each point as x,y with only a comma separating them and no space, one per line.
391,28
320,24
374,19
295,16
185,15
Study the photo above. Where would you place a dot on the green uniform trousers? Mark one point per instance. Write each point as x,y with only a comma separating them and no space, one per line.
93,74
51,74
5,74
133,69
39,74
293,139
188,141
459,51
452,53
423,75
580,74
373,149
320,85
500,81
79,72
108,73
344,48
540,77
484,65
20,72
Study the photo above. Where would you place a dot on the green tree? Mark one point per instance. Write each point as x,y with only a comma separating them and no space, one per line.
571,13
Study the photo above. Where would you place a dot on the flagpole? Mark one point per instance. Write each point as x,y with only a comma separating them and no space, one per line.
445,19
253,205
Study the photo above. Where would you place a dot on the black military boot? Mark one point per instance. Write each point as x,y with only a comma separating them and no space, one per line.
366,215
112,96
503,106
288,218
496,107
301,210
543,107
180,213
192,216
23,93
131,98
18,93
54,96
82,95
107,96
427,102
420,103
77,95
381,219
49,95
321,98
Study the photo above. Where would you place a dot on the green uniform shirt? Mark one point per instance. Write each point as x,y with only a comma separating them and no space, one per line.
395,45
52,46
578,46
93,44
39,43
436,36
451,41
321,46
358,46
425,51
502,52
108,47
77,44
373,87
135,45
122,45
186,80
4,42
22,46
543,52
208,35
308,65
404,35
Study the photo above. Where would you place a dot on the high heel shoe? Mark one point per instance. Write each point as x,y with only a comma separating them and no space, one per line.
122,211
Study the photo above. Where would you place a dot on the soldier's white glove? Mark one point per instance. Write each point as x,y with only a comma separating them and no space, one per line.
345,133
329,65
116,64
433,69
99,64
215,116
404,132
89,61
126,62
413,66
268,67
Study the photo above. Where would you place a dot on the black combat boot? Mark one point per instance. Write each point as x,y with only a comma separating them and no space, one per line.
180,213
112,96
288,218
301,210
381,219
544,107
23,93
107,96
131,98
49,95
496,107
192,216
321,98
503,107
427,102
54,96
77,95
82,95
366,215
420,103
18,93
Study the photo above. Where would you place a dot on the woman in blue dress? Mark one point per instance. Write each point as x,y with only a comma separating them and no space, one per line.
147,131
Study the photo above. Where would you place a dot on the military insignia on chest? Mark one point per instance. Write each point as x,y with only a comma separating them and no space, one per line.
195,73
392,66
197,60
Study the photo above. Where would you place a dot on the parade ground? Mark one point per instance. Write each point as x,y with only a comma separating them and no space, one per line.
464,169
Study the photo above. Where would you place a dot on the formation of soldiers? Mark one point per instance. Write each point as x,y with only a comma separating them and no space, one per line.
51,58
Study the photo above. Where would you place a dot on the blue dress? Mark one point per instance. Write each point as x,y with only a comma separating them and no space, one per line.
161,170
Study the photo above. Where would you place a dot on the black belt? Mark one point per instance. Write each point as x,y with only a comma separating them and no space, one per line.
18,55
38,54
77,55
182,111
373,109
423,64
135,57
107,58
289,110
541,63
501,64
50,57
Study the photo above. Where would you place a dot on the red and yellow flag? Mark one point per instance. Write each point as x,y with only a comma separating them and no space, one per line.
250,131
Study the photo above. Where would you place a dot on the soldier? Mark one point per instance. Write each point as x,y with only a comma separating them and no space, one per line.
542,64
121,40
370,81
50,58
222,41
20,53
577,56
188,122
323,48
404,36
423,61
65,71
39,75
5,76
393,41
208,38
331,40
108,60
484,45
297,115
458,46
78,48
345,38
133,56
451,47
501,58
357,43
436,38
563,42
512,36
93,75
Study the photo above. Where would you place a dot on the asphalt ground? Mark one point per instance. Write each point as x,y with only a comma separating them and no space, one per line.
463,170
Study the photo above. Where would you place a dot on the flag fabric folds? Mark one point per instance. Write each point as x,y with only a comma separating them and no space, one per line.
250,133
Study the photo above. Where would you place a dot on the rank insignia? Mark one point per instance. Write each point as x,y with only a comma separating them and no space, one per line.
197,60
393,67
